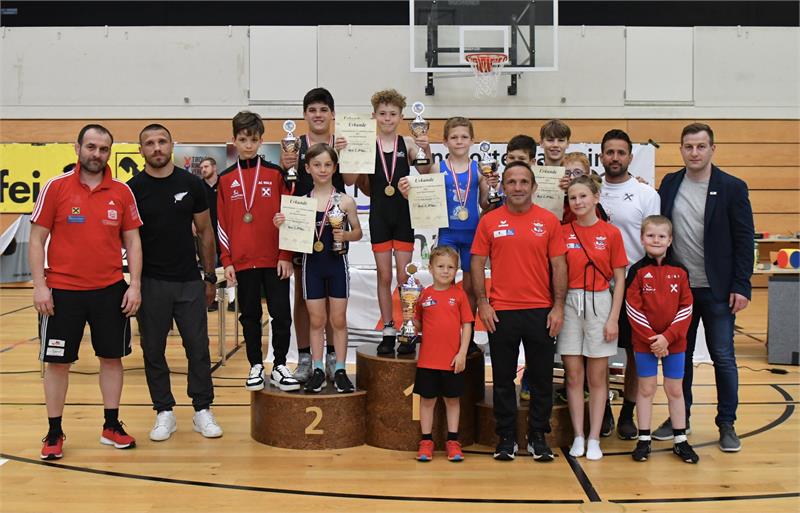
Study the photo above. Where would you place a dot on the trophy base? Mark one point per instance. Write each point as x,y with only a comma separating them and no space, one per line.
494,200
421,162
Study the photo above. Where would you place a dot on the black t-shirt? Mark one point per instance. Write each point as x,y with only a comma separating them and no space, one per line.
167,206
211,195
304,180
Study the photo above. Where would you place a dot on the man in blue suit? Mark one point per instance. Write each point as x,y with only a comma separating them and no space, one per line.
713,238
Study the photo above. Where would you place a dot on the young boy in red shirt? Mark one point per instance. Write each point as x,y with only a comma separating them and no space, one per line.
658,301
444,316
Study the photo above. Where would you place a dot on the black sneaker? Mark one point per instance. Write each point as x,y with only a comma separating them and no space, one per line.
728,440
407,348
626,429
316,382
642,451
608,422
387,345
506,449
685,452
537,446
342,382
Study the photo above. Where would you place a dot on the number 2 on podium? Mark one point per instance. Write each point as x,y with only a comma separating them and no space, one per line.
311,429
414,401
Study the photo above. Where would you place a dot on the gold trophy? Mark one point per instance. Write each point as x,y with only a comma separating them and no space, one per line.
336,219
409,294
290,144
419,127
488,167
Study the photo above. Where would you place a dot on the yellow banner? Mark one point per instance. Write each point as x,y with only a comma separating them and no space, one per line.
25,168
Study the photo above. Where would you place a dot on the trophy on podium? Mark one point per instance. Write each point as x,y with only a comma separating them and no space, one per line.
290,144
336,219
409,294
419,127
488,166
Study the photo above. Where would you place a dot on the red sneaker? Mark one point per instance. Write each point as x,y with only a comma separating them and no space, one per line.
52,448
425,452
117,437
454,450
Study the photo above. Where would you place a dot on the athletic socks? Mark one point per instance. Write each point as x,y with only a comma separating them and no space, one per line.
340,366
330,349
452,436
679,435
627,409
644,435
55,426
428,436
111,416
319,364
304,350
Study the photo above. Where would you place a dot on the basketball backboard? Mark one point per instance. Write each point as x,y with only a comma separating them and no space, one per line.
443,31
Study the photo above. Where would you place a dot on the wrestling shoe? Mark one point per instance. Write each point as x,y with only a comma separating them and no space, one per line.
52,448
342,382
685,452
506,449
538,448
316,382
642,451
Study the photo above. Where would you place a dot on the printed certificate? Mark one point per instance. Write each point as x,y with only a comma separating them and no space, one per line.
427,201
297,232
359,155
548,194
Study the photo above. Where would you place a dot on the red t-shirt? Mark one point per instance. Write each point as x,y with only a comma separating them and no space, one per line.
85,249
520,247
604,244
442,313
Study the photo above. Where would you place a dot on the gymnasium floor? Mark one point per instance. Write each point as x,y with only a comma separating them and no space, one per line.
236,473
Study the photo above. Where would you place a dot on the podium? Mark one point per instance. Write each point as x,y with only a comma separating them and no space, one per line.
296,420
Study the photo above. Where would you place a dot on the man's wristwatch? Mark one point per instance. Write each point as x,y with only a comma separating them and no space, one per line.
210,278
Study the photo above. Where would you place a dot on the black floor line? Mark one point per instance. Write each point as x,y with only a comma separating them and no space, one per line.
16,310
787,413
264,489
583,479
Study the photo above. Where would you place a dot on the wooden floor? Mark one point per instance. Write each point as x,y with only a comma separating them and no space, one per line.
235,473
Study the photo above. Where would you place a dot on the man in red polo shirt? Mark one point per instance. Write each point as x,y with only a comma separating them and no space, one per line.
89,217
526,248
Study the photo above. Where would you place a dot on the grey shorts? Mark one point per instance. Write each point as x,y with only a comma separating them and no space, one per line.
582,335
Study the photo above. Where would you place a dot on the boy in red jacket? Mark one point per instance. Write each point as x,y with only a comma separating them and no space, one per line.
248,197
658,301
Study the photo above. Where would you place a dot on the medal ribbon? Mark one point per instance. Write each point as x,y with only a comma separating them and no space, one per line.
319,231
455,182
383,160
247,207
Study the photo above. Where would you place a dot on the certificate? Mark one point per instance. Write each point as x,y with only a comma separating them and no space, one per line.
297,232
427,201
359,155
548,194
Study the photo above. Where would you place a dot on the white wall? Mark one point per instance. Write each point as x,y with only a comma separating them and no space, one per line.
200,72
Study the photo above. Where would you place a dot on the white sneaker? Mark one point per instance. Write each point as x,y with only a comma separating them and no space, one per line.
303,370
593,451
255,380
578,447
164,427
330,365
282,378
205,423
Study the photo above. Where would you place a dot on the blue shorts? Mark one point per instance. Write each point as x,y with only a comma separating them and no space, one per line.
671,365
461,241
325,275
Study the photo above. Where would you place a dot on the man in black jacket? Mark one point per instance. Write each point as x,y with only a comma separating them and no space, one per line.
713,238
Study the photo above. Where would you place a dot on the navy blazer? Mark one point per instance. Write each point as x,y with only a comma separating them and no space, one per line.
728,236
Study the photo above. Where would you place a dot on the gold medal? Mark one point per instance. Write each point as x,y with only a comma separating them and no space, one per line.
462,214
247,217
319,246
389,190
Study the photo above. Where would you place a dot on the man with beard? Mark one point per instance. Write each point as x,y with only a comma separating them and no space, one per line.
627,201
208,170
89,217
170,200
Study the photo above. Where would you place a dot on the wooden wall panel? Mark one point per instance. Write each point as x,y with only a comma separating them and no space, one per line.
725,130
757,178
777,223
729,154
766,202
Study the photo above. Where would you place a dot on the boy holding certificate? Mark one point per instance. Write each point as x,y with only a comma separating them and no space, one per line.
389,218
325,274
248,196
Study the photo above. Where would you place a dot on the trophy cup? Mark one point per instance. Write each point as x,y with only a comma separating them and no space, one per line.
290,144
488,167
419,127
336,219
409,294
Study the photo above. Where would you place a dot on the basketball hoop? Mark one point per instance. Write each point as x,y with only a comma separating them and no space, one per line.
487,67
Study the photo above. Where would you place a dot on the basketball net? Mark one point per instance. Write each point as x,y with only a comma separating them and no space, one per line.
486,68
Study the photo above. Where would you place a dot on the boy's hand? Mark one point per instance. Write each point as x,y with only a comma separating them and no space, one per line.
340,144
493,180
285,269
459,362
230,276
288,160
563,182
422,141
408,315
611,330
404,186
338,235
279,219
659,345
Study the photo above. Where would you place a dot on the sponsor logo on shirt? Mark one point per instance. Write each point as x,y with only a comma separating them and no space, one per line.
628,197
237,195
76,211
673,287
401,154
503,233
428,302
538,229
600,242
111,202
648,289
235,183
451,301
76,219
112,214
573,245
502,224
266,192
648,275
179,196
